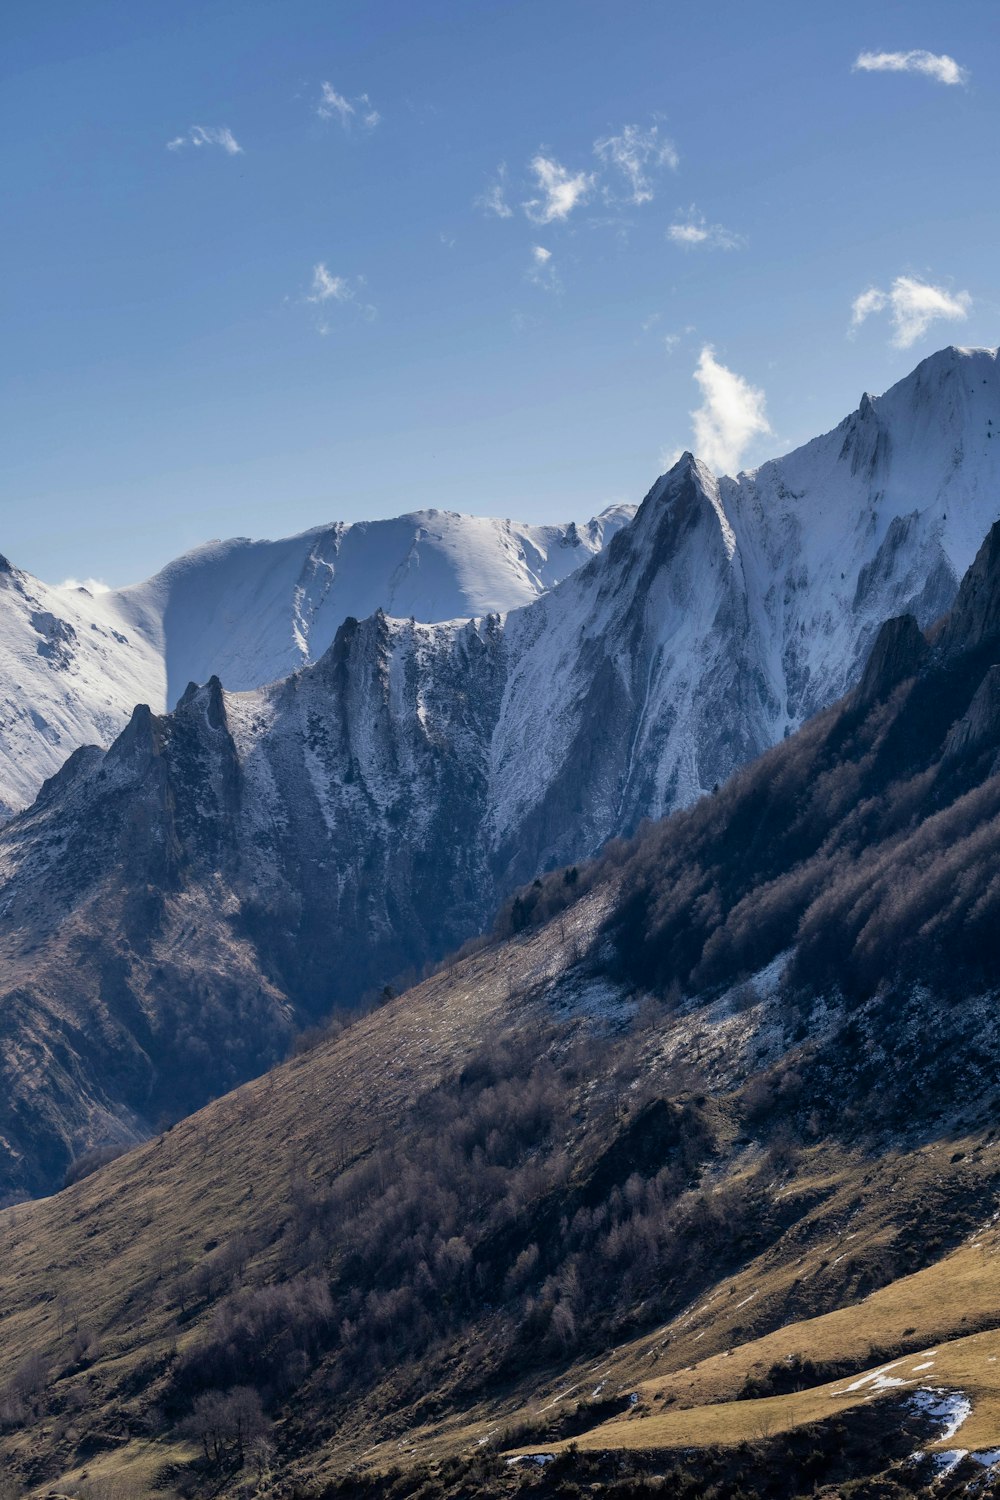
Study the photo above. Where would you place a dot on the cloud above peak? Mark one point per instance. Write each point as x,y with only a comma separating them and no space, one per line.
635,153
560,191
207,135
936,65
912,305
731,415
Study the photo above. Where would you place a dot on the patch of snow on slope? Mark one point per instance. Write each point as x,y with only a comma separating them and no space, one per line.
950,1407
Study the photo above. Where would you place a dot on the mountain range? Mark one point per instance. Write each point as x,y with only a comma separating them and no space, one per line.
75,661
175,908
684,1178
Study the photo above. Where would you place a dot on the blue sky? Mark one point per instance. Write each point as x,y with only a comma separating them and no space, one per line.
335,322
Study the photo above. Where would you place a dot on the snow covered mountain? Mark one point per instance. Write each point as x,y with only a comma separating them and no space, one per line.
73,665
251,612
176,905
731,610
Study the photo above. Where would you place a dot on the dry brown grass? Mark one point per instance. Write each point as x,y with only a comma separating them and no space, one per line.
102,1256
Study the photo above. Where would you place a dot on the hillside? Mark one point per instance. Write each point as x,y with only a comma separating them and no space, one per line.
707,1127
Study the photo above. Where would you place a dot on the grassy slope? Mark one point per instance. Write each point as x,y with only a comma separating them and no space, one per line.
103,1256
686,1394
693,1405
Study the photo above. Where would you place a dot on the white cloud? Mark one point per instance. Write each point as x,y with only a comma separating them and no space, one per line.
561,191
634,153
92,585
913,306
542,271
325,286
208,135
493,200
331,103
330,289
693,231
670,341
370,116
731,414
939,66
868,302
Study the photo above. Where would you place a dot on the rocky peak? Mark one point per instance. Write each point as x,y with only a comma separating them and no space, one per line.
898,653
683,500
979,726
139,737
975,620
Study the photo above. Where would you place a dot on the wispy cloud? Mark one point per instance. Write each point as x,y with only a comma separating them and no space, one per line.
358,110
493,199
635,153
939,66
633,156
331,103
670,341
913,305
731,415
542,269
327,289
207,135
560,191
693,232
